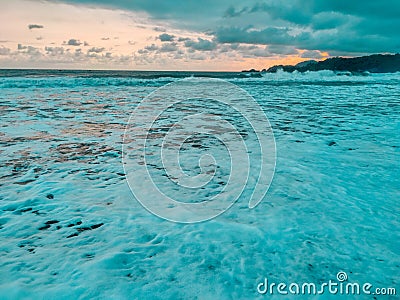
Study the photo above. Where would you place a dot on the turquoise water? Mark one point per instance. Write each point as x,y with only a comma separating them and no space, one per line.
70,226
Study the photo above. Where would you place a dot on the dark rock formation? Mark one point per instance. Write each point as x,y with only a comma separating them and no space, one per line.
377,63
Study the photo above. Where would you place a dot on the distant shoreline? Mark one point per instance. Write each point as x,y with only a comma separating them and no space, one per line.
376,63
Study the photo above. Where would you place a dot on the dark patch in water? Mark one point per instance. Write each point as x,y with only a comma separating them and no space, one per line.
74,224
47,226
72,235
81,229
25,209
52,222
36,212
24,182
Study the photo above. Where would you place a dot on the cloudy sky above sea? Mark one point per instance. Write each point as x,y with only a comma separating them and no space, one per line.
217,35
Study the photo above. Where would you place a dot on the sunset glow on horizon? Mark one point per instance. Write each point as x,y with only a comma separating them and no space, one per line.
133,35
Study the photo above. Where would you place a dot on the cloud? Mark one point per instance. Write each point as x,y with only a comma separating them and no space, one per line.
96,50
312,54
249,35
324,40
54,51
21,47
247,51
35,26
189,14
152,47
51,56
329,20
168,47
231,12
78,52
201,44
73,42
257,52
183,39
328,25
283,50
4,50
159,29
165,37
29,50
197,56
226,31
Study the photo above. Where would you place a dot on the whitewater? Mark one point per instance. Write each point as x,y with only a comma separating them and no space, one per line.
70,227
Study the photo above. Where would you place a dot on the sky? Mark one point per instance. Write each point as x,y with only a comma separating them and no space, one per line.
203,35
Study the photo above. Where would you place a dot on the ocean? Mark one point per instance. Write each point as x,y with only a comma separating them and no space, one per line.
71,225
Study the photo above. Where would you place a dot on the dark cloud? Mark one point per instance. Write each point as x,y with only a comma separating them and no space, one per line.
249,35
35,26
324,40
165,37
201,44
381,9
73,42
282,50
332,25
257,52
183,39
294,11
152,47
329,20
247,51
347,26
192,13
311,54
231,12
168,47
